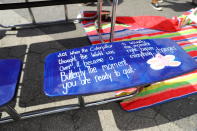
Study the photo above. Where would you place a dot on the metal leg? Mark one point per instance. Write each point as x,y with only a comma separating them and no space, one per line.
43,112
113,20
99,10
66,12
99,19
31,14
104,101
81,101
12,112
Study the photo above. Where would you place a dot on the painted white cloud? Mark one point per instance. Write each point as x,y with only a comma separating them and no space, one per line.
159,61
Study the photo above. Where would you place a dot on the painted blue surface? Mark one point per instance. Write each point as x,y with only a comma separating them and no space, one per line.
9,75
114,66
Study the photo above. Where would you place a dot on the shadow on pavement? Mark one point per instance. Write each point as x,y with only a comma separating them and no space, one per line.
14,52
88,119
158,115
2,34
46,30
178,7
77,120
32,88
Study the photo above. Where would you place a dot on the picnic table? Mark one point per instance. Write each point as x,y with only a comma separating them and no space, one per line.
108,67
97,69
114,66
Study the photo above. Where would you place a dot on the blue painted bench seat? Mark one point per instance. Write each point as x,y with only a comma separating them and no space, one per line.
9,75
114,66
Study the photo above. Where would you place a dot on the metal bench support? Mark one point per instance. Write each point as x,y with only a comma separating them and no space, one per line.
113,19
12,112
15,116
31,14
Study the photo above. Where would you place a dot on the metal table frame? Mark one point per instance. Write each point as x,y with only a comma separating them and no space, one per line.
14,116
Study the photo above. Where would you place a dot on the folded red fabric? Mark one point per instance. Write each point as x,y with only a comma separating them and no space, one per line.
151,22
